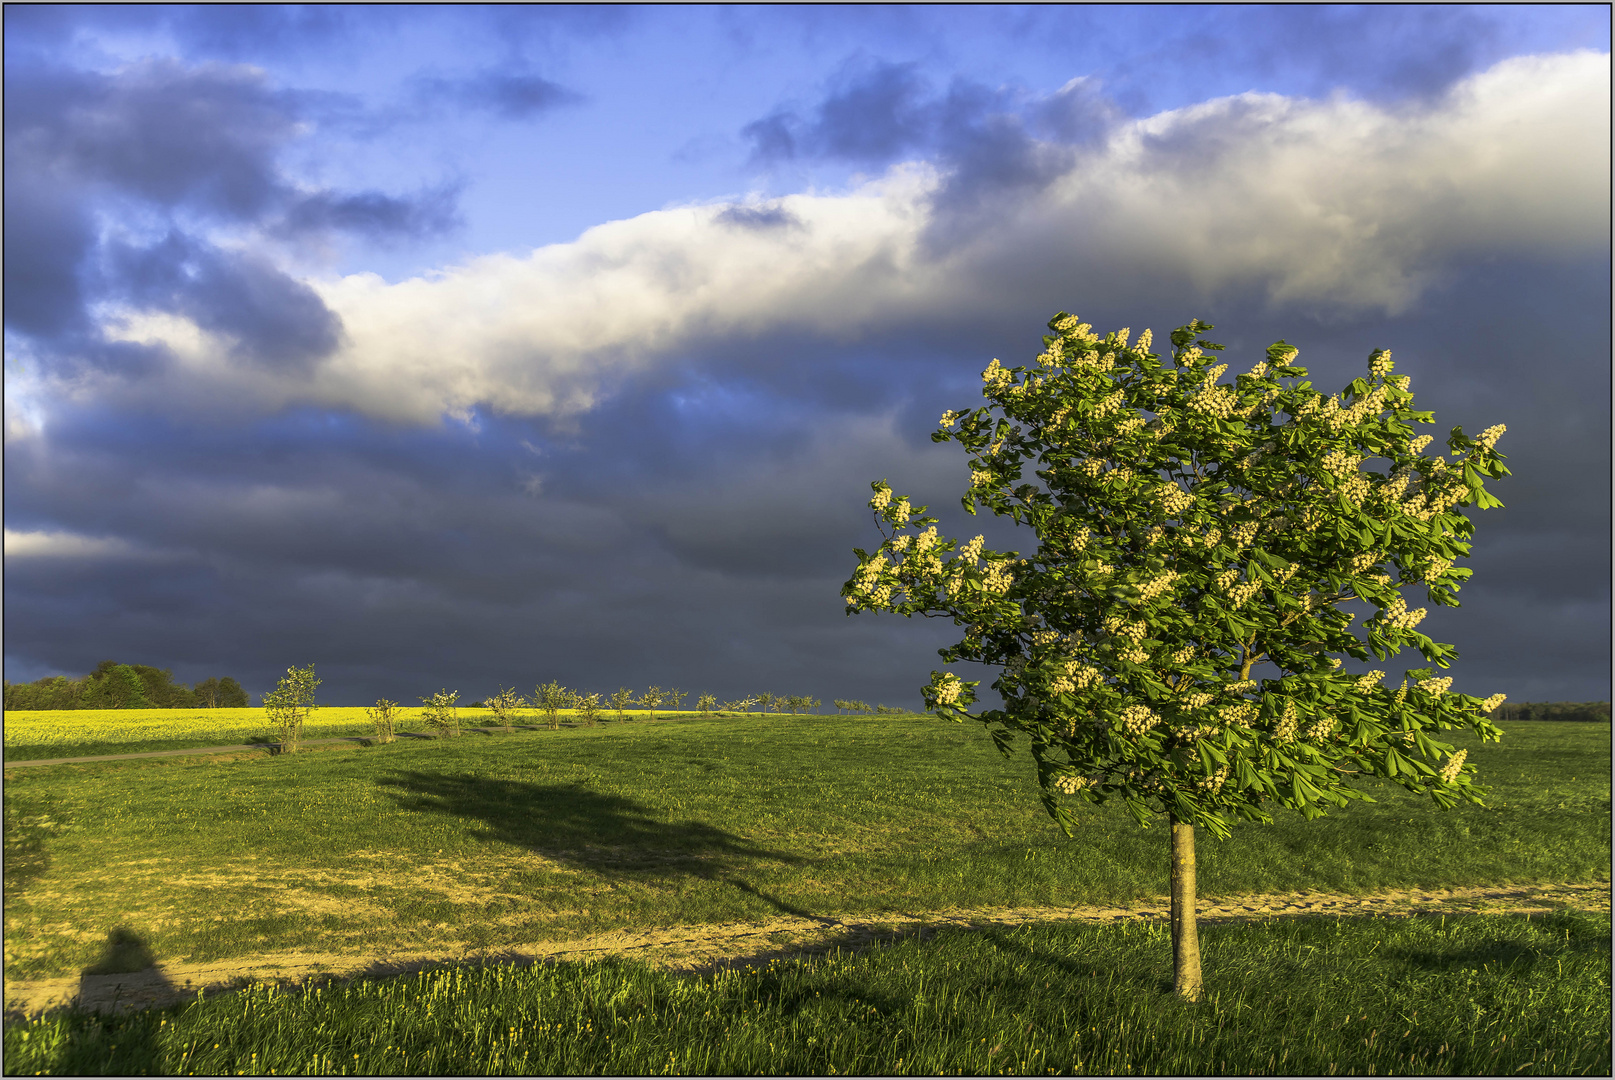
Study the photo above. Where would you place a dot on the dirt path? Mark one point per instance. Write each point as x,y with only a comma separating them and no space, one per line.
699,948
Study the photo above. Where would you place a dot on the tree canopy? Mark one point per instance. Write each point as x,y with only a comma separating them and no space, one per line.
125,686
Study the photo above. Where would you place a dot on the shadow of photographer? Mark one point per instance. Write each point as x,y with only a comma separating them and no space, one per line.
124,977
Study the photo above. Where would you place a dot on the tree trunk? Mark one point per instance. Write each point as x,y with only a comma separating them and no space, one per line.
1185,935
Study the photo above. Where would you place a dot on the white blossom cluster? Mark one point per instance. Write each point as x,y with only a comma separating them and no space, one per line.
999,577
1241,687
1196,732
1069,783
1173,500
1144,340
1121,627
1159,427
1074,327
1284,731
1449,771
949,418
1215,781
947,689
1121,336
1398,617
900,543
1488,438
1417,444
1372,404
1151,589
1121,474
1493,702
1283,576
1241,594
1437,567
1436,687
865,583
972,551
1243,533
995,376
1366,559
1401,693
1198,700
1134,654
1380,363
980,478
902,512
1110,403
1212,400
1128,426
1365,683
1059,416
1356,489
1321,726
1341,463
1091,468
1239,713
882,499
1137,719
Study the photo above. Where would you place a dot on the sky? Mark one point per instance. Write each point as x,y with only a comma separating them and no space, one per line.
470,347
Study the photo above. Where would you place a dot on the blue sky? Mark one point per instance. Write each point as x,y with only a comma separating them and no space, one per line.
466,347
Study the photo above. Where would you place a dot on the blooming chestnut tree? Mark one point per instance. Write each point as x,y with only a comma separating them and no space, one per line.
1186,533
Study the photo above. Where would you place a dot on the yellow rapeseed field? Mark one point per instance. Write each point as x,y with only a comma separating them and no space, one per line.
34,727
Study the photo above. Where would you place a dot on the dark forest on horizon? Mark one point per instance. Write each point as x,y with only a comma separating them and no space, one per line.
125,686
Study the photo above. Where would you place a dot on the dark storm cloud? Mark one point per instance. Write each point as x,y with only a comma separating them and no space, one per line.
204,137
48,232
872,115
374,215
274,318
176,144
1367,47
201,139
875,113
696,529
509,96
759,217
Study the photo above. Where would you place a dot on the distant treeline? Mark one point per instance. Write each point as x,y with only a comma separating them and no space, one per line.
1592,712
125,686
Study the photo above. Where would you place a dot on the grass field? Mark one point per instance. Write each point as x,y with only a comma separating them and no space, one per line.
487,840
1473,996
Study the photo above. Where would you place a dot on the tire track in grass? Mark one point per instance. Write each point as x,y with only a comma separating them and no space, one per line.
738,944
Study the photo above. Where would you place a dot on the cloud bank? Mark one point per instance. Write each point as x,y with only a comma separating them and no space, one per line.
1334,204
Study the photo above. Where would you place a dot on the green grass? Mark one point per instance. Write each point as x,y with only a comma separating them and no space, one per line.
1472,995
459,844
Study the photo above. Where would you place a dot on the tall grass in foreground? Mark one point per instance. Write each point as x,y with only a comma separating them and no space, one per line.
1470,995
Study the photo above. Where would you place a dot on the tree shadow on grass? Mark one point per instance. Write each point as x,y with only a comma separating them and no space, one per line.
613,836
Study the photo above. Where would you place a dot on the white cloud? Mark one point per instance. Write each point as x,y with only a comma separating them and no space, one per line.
1335,204
64,545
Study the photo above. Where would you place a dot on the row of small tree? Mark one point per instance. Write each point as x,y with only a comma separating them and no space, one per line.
864,707
292,701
